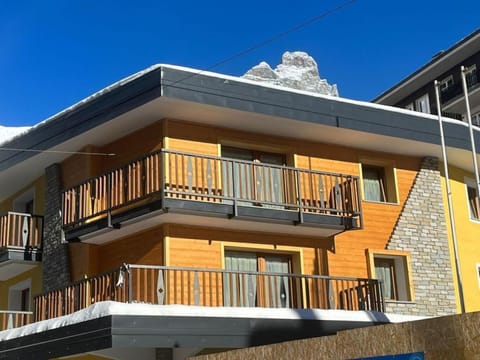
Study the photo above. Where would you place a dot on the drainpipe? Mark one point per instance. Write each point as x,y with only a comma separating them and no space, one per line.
449,198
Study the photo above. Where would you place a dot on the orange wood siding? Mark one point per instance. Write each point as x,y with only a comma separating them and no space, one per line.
142,248
77,168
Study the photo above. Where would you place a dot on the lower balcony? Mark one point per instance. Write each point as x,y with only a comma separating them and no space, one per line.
13,319
165,285
177,185
20,243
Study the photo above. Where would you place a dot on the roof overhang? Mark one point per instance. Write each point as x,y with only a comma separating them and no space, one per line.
110,325
229,102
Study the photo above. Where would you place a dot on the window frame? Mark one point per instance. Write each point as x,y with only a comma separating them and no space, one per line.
389,180
402,272
470,185
424,99
446,83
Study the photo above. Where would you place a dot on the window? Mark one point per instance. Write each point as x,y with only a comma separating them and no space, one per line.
471,75
256,182
473,201
379,181
250,290
409,107
478,274
476,119
422,104
392,268
19,296
446,83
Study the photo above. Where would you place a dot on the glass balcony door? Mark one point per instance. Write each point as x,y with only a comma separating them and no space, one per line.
253,182
250,290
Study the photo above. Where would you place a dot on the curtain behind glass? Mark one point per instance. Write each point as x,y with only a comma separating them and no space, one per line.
383,270
277,292
371,184
240,289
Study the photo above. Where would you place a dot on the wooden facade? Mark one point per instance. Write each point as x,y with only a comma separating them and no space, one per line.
187,246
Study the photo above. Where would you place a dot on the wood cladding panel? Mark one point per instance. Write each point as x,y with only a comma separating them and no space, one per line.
142,248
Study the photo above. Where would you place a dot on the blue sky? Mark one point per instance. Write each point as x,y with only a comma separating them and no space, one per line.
54,53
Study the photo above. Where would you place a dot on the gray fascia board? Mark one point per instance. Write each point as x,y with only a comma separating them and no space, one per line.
242,96
83,118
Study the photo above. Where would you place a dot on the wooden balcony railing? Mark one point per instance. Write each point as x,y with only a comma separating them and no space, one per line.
172,174
12,319
23,231
207,287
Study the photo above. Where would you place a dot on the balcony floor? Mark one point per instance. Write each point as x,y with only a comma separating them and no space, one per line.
110,325
220,215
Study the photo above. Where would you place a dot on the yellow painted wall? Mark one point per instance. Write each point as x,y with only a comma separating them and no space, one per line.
39,202
34,274
468,239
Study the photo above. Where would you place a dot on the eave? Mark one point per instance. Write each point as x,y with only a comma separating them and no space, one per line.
178,93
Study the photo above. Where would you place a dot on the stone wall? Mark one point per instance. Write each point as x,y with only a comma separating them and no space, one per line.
448,337
56,263
421,229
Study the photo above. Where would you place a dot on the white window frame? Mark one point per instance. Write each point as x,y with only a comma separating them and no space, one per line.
476,119
478,273
422,104
446,83
470,183
469,71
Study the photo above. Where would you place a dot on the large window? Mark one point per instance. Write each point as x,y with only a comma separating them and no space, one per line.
19,296
471,75
379,183
422,104
473,200
258,182
392,268
246,289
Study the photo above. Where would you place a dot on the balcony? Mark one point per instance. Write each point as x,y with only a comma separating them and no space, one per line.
20,243
164,285
168,182
451,96
12,319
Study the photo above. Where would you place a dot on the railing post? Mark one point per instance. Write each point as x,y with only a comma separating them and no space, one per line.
109,199
144,177
130,289
299,197
162,174
77,204
234,188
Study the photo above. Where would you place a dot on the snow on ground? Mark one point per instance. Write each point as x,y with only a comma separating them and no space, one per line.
9,132
107,308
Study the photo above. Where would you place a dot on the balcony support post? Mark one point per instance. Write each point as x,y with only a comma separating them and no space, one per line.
299,197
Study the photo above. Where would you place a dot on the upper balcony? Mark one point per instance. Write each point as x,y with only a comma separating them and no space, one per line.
173,186
20,243
452,96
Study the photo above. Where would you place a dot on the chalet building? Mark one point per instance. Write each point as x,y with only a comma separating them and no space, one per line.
417,92
204,212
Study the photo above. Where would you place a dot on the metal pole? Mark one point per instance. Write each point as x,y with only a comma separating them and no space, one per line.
470,128
449,198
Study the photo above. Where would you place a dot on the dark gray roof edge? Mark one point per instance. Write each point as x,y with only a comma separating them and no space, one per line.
230,92
432,61
92,111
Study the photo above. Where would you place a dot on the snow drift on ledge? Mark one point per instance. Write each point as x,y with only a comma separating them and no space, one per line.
9,132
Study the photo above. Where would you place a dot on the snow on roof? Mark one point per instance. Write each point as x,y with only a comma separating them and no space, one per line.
107,308
9,132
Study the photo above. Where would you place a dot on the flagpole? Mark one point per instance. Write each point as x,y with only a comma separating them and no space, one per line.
463,70
449,201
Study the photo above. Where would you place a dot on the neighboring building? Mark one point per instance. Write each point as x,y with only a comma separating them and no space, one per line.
417,92
247,213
